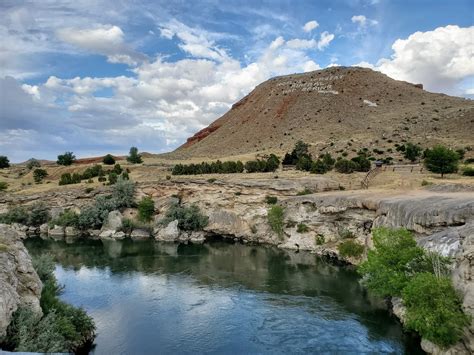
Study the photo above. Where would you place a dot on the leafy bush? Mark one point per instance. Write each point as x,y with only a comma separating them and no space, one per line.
302,228
275,219
345,233
328,160
16,214
349,248
3,186
122,193
362,163
108,160
39,214
146,209
434,309
67,218
33,163
39,175
113,177
412,152
345,166
189,218
300,150
304,163
217,167
320,239
66,159
92,172
134,157
4,162
319,167
392,263
271,200
128,225
441,160
67,179
468,171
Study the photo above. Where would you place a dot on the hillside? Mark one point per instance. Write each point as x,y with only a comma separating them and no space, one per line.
340,109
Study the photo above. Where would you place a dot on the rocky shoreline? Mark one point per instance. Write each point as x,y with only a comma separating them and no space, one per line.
441,221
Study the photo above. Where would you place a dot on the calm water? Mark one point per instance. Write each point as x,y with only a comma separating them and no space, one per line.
218,298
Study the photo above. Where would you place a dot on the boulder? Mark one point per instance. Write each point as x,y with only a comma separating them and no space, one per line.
106,234
57,232
119,235
114,221
168,234
71,232
228,223
197,237
43,229
138,234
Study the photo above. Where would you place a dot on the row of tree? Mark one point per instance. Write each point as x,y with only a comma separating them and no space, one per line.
95,171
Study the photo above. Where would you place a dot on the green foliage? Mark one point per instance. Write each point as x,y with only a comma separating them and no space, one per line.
146,209
117,169
16,214
217,167
134,157
271,200
113,177
412,152
67,218
305,191
304,163
328,160
299,151
33,163
189,218
441,160
275,219
128,225
68,179
345,166
39,175
38,215
349,248
362,163
269,165
122,193
3,185
108,159
392,263
426,183
4,162
434,309
92,172
461,152
320,239
66,159
302,228
319,167
125,176
468,171
345,233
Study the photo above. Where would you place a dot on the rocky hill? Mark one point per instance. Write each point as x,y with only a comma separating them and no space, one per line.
340,109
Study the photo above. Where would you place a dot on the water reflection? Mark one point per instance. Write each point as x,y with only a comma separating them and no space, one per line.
220,298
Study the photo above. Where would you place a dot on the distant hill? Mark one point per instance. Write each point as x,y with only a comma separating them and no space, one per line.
340,109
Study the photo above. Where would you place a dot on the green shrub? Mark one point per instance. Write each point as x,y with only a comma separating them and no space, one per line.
271,200
320,239
125,176
39,214
300,150
128,225
319,167
328,160
92,172
3,186
349,248
4,162
345,233
304,163
305,191
468,171
146,209
113,177
275,219
108,160
67,218
345,166
134,157
189,218
67,179
16,214
362,163
302,228
122,193
168,177
441,160
412,152
39,175
426,183
33,163
66,159
433,309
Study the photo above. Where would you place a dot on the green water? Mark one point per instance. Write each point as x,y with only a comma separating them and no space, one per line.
220,298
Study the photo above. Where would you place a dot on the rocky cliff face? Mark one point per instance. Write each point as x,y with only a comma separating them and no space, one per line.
19,283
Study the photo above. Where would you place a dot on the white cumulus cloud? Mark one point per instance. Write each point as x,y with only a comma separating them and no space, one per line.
310,25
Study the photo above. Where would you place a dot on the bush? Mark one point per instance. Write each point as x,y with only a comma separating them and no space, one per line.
468,171
328,160
4,162
146,209
433,309
300,150
441,160
66,159
305,191
319,239
392,263
122,193
33,163
134,157
108,160
302,228
17,214
345,233
189,218
67,218
319,167
275,219
426,183
304,163
345,166
271,200
3,186
125,176
39,175
362,163
67,179
92,172
113,177
349,248
39,214
412,152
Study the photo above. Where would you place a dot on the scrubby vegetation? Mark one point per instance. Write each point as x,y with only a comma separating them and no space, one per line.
350,248
189,218
302,228
95,171
4,162
3,185
398,267
35,215
67,158
468,171
134,157
412,152
275,217
62,328
146,209
441,160
108,160
33,163
271,200
39,175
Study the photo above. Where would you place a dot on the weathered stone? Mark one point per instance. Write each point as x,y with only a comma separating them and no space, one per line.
118,235
114,221
138,234
227,223
57,232
106,234
197,237
71,232
43,229
169,234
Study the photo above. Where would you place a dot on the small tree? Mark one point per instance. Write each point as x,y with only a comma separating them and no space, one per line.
39,175
441,160
412,152
345,166
319,167
66,159
108,160
4,162
146,208
134,157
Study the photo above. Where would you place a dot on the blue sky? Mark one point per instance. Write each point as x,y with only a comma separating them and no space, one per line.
99,76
